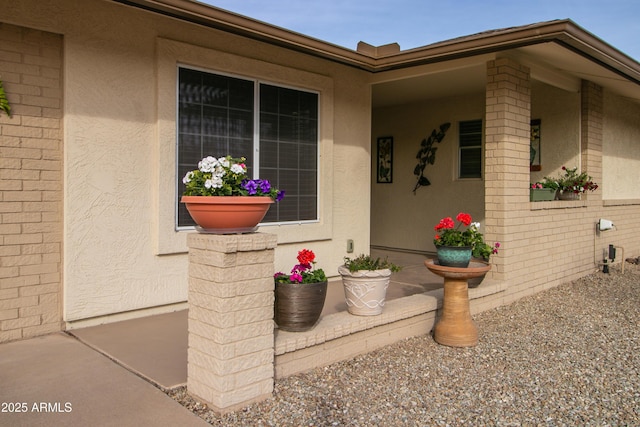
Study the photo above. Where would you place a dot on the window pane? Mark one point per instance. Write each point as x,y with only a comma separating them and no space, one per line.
471,126
470,149
471,163
215,118
289,150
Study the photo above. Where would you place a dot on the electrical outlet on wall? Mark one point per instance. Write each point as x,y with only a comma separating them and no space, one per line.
349,246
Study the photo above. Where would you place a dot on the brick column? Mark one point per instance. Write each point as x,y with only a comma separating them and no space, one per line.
231,330
507,139
591,134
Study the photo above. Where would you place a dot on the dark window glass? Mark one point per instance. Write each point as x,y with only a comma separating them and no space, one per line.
216,117
289,150
470,149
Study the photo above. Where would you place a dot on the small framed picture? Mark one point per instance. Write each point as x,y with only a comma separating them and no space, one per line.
384,166
535,161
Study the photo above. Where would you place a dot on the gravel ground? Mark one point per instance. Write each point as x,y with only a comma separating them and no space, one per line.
564,357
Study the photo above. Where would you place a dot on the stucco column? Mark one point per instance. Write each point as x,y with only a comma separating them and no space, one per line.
591,128
506,165
231,332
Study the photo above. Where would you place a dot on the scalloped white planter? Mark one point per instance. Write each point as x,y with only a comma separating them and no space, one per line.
365,291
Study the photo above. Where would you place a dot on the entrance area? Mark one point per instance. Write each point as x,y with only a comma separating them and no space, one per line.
155,347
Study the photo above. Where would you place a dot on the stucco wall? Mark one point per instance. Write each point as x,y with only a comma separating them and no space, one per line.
559,112
620,148
116,142
400,218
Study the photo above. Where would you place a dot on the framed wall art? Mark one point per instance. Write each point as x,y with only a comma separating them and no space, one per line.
535,161
384,166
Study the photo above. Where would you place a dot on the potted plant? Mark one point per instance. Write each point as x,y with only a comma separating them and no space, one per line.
221,199
570,184
300,296
456,246
541,191
4,102
365,281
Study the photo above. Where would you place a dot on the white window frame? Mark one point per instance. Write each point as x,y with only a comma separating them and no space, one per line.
256,140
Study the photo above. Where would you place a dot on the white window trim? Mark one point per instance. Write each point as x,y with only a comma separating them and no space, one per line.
172,53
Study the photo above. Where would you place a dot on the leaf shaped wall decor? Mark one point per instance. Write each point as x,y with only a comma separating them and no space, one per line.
427,154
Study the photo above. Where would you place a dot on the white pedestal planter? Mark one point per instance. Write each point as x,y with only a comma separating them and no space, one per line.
365,291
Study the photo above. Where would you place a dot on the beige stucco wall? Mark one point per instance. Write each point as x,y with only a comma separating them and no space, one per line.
400,218
621,148
559,113
121,254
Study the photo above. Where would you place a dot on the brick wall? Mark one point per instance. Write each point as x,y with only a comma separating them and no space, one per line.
544,244
30,183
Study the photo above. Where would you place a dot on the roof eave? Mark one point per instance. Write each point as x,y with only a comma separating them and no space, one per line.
212,17
564,32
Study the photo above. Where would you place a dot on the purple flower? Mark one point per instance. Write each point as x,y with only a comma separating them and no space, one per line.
250,186
265,187
300,268
280,195
296,278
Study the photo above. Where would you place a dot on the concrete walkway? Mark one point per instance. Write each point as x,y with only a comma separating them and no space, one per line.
56,380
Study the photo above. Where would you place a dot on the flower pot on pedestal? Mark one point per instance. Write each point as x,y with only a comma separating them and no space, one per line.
454,256
227,214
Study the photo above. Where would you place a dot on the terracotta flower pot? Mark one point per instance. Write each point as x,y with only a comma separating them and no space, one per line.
227,214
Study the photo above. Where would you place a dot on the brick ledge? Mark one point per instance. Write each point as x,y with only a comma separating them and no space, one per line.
341,324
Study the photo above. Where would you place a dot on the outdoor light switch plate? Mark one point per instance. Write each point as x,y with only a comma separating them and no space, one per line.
349,246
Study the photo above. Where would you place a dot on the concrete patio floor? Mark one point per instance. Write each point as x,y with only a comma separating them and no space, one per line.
155,347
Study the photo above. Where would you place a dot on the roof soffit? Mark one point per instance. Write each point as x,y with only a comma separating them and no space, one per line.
534,38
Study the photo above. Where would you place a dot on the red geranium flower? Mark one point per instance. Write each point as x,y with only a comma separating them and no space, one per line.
304,271
306,256
445,223
464,218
